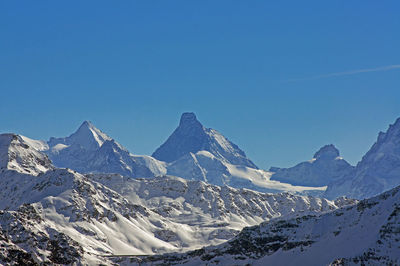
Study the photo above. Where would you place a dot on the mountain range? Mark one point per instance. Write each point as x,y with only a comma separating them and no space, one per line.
193,152
53,215
85,199
366,233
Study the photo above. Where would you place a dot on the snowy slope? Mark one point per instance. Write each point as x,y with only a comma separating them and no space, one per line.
25,239
99,219
86,217
378,171
325,167
17,154
87,136
367,233
204,166
91,150
218,209
113,215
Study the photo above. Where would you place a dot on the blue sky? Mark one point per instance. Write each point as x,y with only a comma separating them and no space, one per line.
278,79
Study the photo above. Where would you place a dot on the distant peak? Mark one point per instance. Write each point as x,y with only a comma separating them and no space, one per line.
87,123
327,152
87,136
188,118
88,127
191,137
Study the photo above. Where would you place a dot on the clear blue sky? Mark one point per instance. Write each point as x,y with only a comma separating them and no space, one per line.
258,72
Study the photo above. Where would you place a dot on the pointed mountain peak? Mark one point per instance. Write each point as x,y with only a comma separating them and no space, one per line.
327,152
191,136
86,136
87,125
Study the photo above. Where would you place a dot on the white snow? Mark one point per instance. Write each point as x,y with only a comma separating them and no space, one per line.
378,171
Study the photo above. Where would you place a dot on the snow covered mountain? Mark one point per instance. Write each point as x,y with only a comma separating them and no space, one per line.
325,167
367,233
198,153
16,153
378,171
61,216
191,136
91,150
213,213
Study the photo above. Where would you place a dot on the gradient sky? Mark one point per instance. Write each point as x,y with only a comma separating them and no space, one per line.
278,79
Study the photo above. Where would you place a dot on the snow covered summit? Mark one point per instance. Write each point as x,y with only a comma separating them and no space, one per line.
191,136
378,171
91,150
325,167
87,136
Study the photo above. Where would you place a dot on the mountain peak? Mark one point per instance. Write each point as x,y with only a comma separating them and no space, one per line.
327,152
191,136
87,136
87,127
87,123
188,119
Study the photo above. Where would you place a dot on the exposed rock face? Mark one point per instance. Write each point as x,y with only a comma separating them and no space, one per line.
325,167
191,136
328,152
378,171
26,240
